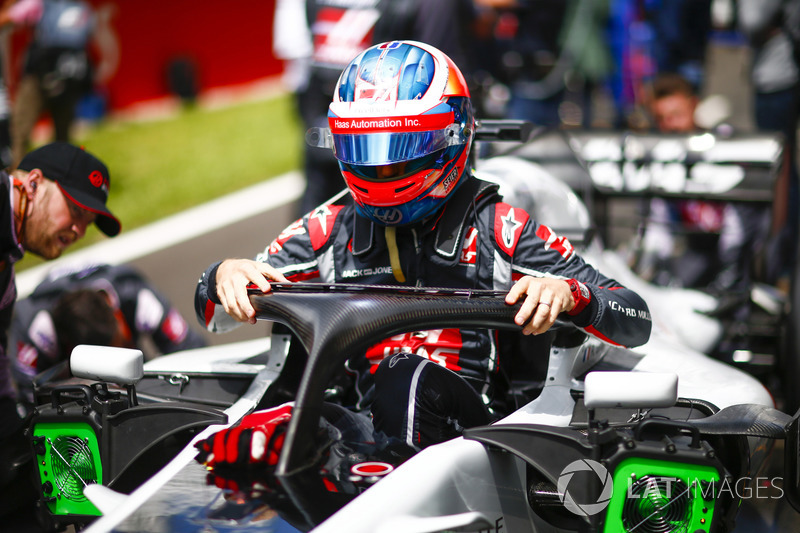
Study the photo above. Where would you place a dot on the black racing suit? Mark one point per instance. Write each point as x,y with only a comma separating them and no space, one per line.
476,241
10,252
141,312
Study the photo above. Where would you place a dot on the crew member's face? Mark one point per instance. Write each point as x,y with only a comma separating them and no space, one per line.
54,222
675,113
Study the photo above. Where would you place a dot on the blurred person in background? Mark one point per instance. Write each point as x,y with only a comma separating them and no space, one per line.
95,304
651,36
709,245
5,97
772,28
58,70
681,31
691,242
318,38
551,54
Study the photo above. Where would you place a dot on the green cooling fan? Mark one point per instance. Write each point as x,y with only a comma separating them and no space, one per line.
658,504
655,496
68,457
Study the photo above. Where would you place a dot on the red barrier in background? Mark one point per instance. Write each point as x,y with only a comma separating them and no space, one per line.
229,41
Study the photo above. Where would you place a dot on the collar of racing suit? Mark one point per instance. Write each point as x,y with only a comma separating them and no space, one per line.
11,250
449,224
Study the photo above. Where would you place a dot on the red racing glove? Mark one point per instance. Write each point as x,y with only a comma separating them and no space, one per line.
256,439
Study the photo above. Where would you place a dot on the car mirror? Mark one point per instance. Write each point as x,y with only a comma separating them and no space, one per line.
123,366
630,389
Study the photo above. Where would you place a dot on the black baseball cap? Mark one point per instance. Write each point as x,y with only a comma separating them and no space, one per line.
81,177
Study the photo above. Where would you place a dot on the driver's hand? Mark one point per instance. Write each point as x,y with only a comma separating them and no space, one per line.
544,299
233,277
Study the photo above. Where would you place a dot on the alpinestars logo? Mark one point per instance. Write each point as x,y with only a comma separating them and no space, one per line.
509,223
397,358
321,214
510,226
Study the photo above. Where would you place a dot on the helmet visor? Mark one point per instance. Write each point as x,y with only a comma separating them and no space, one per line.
383,148
393,171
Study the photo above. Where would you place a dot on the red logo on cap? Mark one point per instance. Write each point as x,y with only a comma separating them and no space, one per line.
96,178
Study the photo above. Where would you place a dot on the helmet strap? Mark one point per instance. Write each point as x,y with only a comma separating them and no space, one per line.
394,254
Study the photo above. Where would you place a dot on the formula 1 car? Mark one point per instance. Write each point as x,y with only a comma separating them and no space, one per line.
654,439
661,438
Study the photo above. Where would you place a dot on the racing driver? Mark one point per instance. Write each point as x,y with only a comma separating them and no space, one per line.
401,126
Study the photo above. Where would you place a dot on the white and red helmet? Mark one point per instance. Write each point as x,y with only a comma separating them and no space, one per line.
401,126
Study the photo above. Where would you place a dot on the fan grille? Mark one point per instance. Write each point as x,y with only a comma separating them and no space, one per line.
657,504
73,466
